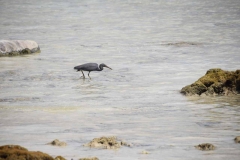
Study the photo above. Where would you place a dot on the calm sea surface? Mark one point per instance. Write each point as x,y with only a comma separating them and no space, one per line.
154,48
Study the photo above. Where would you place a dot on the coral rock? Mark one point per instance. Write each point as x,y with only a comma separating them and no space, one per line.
106,143
215,82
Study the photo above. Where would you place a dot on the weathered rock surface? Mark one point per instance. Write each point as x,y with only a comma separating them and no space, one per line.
56,142
237,139
15,152
18,47
205,147
106,143
215,82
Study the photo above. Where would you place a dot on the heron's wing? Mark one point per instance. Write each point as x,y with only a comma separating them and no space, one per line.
87,67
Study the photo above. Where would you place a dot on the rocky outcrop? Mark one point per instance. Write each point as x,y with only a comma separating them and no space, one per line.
215,82
205,147
56,142
18,47
15,152
106,143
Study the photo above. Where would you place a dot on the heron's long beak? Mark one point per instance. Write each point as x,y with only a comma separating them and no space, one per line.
109,67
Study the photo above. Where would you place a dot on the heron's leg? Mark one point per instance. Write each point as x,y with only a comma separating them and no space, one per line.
83,74
88,74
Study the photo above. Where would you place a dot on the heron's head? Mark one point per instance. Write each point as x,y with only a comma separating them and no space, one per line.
104,65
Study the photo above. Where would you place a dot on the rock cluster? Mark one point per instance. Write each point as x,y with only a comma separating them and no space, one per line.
18,47
106,143
215,82
205,147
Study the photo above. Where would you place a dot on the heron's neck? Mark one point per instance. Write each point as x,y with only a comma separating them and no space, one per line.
100,67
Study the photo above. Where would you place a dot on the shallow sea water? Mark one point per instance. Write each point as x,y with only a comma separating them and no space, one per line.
154,47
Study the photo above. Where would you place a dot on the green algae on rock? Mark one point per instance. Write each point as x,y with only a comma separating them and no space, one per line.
16,152
205,147
215,82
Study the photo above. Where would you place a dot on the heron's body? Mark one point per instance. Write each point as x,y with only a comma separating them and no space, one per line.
90,67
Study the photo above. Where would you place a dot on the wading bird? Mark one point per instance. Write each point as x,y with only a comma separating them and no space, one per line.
90,67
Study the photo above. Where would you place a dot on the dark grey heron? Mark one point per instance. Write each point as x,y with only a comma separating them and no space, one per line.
90,67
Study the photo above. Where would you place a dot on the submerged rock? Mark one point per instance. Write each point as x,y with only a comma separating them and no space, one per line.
215,82
205,147
56,142
237,139
106,143
16,152
18,47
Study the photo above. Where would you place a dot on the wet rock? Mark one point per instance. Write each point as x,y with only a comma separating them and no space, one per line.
93,158
125,144
18,47
16,152
215,82
106,143
205,147
56,142
59,158
237,139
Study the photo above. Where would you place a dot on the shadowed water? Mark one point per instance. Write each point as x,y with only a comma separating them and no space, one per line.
154,48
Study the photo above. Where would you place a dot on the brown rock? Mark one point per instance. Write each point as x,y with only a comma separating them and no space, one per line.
237,139
16,152
215,82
